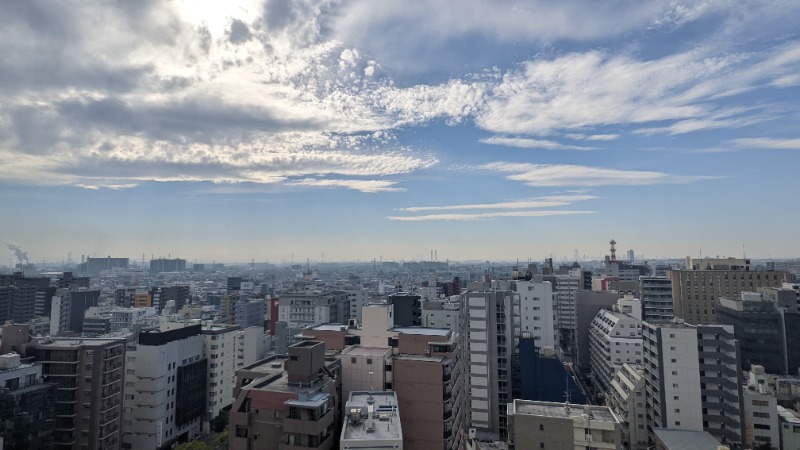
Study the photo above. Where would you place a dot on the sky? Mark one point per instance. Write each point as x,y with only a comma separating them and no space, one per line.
286,130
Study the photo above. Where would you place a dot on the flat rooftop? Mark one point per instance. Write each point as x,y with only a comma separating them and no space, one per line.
386,421
77,342
357,350
686,439
410,357
329,327
422,331
559,410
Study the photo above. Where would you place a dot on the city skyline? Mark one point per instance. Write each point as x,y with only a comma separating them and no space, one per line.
277,130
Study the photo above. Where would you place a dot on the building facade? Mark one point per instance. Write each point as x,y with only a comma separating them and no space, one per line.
696,293
561,426
165,388
88,374
692,380
491,331
656,296
287,402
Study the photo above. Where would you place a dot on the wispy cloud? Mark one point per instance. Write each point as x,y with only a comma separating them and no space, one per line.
592,137
594,89
114,187
767,143
368,186
549,175
484,216
537,202
532,143
527,208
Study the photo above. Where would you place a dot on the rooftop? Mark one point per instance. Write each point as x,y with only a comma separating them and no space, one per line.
410,357
422,331
357,350
560,410
329,327
686,439
77,342
385,420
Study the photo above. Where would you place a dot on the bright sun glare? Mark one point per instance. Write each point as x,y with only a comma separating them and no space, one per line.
217,14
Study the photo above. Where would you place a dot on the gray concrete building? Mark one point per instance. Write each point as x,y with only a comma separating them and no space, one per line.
491,330
692,380
560,426
656,296
371,421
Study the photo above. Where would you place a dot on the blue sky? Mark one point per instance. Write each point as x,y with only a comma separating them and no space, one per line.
495,130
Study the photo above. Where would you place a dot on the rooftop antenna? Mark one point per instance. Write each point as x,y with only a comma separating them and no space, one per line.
567,393
613,250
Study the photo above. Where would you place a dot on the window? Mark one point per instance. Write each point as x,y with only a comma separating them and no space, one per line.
241,431
369,361
541,427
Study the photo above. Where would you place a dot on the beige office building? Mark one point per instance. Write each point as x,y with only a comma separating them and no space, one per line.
560,426
696,293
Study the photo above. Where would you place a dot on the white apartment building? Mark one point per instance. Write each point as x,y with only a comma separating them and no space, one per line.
165,388
251,344
441,313
130,318
692,379
364,368
536,312
761,417
615,338
626,398
790,429
491,321
564,291
219,350
309,307
357,297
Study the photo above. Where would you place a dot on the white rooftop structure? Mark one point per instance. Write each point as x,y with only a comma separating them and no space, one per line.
371,421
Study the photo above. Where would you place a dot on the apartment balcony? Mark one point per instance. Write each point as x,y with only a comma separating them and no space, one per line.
108,393
727,407
311,427
325,444
108,406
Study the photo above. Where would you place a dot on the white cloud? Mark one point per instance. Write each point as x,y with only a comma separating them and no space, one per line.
767,143
583,91
549,175
537,202
532,143
484,216
368,186
257,92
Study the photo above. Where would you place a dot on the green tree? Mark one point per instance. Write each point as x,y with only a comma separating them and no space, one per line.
220,440
194,445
